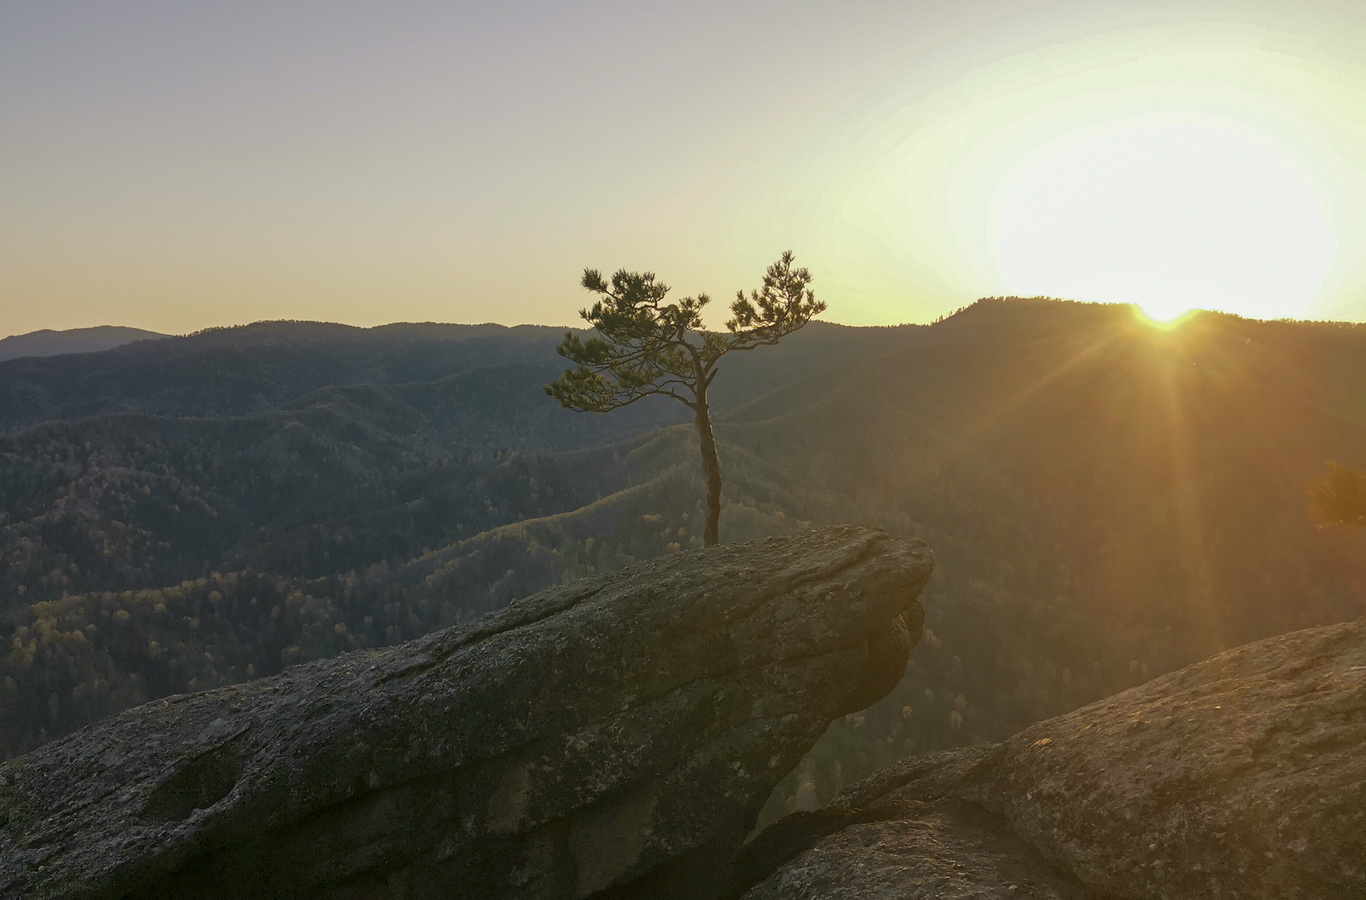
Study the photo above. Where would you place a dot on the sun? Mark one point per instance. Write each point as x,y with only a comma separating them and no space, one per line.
1168,212
1163,315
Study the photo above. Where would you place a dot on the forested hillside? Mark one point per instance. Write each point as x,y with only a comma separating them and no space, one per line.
1106,501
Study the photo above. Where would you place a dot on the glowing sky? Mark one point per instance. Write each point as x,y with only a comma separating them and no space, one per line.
174,165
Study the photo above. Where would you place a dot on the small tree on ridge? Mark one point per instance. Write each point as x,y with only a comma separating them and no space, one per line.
646,347
1338,499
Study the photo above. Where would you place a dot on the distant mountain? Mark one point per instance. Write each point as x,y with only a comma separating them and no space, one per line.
1106,501
253,369
73,340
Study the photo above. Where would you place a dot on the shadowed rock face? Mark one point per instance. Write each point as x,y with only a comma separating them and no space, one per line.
1239,778
613,737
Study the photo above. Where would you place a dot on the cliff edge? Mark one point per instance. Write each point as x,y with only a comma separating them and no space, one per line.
612,737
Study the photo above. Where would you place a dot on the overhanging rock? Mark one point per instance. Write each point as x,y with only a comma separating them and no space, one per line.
613,737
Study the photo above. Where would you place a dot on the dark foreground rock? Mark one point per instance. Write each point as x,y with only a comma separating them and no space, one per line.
1241,777
610,738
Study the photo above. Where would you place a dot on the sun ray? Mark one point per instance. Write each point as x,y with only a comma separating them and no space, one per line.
1189,526
1092,350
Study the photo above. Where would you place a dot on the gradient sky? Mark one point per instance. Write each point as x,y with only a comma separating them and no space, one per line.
178,165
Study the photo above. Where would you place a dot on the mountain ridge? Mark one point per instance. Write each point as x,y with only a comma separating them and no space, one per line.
1037,448
96,339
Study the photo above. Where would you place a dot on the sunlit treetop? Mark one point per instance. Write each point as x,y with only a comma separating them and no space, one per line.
645,346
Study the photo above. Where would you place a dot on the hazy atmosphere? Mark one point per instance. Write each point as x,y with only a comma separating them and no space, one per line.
1004,536
174,166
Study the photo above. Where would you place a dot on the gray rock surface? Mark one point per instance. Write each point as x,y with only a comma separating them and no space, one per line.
1237,778
943,850
609,738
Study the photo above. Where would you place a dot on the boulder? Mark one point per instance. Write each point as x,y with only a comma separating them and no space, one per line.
612,737
1240,777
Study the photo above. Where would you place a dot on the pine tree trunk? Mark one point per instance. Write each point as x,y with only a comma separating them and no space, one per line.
711,467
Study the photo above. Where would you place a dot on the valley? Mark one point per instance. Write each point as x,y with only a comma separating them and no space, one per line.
1106,501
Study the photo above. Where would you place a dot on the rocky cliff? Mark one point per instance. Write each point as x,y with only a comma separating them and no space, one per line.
1237,778
608,738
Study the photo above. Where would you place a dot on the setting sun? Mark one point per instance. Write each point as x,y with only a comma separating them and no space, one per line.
1168,212
1162,315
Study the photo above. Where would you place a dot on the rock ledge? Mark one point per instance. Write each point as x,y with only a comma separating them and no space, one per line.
613,737
1239,778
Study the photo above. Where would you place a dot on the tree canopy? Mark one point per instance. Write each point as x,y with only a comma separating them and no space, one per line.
645,346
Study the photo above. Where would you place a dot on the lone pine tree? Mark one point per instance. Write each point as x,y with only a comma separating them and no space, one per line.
646,347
